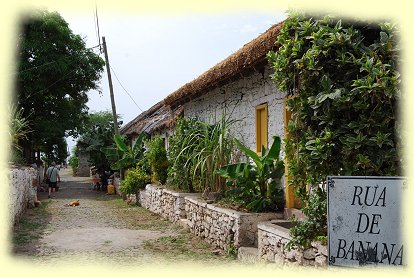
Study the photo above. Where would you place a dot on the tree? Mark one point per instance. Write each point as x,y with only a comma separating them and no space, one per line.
55,72
97,132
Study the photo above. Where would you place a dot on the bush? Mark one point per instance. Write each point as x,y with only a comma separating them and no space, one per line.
157,158
344,82
313,227
196,151
73,160
257,185
135,180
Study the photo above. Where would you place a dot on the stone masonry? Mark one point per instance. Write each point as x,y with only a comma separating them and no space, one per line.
167,203
272,240
222,227
240,98
22,191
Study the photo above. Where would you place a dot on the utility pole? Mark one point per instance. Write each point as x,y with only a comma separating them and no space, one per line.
111,91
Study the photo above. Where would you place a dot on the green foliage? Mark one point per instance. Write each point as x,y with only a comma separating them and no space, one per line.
54,73
231,250
314,225
257,185
179,154
74,161
96,133
345,82
18,130
157,158
196,151
125,156
135,180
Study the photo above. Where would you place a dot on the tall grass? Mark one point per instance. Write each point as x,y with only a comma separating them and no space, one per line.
202,149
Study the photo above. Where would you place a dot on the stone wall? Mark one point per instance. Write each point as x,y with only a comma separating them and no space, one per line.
220,226
241,97
167,203
272,240
22,191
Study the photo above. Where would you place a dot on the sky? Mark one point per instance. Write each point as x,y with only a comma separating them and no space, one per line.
153,55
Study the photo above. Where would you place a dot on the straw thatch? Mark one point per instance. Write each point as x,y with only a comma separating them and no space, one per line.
162,115
248,56
155,118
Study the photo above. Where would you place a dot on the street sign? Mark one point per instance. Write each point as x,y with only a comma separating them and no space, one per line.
365,221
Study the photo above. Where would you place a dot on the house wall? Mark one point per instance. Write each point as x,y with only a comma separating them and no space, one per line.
241,97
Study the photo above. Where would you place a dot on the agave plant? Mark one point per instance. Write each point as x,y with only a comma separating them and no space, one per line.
257,184
19,128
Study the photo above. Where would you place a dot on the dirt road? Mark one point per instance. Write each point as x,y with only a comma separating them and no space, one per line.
102,229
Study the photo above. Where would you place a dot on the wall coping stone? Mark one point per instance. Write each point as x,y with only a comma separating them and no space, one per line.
195,199
272,228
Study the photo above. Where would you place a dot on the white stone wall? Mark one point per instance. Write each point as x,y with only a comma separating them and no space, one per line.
272,242
167,203
220,226
241,97
22,191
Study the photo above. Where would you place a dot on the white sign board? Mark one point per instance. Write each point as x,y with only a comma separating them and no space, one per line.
364,221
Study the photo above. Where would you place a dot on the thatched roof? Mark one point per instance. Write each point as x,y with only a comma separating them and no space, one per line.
164,113
248,56
155,118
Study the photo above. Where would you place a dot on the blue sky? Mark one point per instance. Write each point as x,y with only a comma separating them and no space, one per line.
153,55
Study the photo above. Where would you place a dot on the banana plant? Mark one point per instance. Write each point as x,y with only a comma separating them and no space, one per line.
259,180
125,156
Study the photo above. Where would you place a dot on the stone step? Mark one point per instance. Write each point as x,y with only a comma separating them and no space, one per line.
248,254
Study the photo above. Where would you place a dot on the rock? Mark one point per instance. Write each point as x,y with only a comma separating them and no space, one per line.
309,254
279,259
322,249
321,261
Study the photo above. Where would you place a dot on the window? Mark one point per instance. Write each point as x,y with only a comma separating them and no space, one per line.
261,127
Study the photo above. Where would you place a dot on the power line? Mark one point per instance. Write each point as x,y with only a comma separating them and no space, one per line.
125,89
97,24
63,77
38,66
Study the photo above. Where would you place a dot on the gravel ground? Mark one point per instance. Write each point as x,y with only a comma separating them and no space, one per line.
103,229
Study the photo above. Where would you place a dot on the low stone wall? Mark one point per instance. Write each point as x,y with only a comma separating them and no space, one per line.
22,191
220,226
272,240
167,203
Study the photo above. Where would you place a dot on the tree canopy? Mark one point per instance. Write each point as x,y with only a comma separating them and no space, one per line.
97,133
55,72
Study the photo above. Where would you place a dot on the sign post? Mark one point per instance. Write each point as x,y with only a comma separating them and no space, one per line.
364,221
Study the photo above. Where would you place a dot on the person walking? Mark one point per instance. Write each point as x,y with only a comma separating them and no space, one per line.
52,174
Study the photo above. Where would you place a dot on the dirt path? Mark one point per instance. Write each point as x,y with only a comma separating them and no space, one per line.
102,228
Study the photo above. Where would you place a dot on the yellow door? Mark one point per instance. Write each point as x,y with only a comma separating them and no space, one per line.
291,200
261,127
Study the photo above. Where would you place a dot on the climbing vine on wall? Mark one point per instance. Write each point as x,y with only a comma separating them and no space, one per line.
344,81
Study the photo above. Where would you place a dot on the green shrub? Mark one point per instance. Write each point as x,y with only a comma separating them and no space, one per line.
135,180
73,160
196,151
256,185
157,158
344,80
179,153
313,227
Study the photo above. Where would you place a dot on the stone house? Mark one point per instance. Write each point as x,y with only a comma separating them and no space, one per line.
239,86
